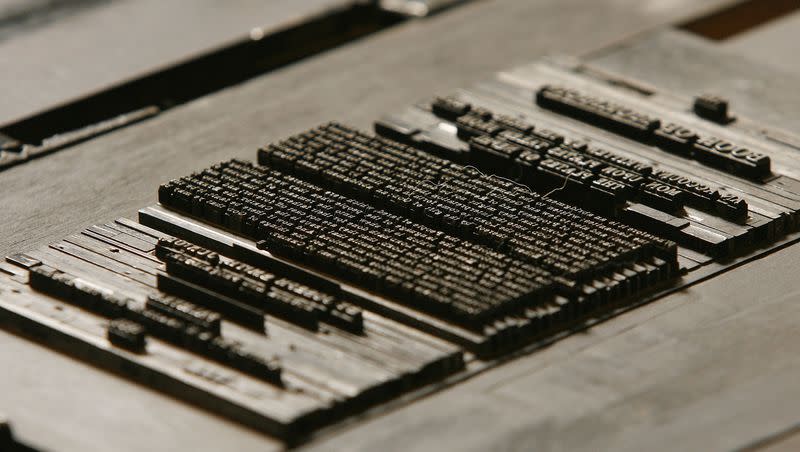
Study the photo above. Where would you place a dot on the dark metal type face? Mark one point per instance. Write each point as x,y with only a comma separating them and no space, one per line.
345,271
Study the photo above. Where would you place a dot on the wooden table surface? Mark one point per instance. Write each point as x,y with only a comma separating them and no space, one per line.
66,50
710,368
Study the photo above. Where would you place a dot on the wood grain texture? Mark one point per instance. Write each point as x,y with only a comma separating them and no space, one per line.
68,406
